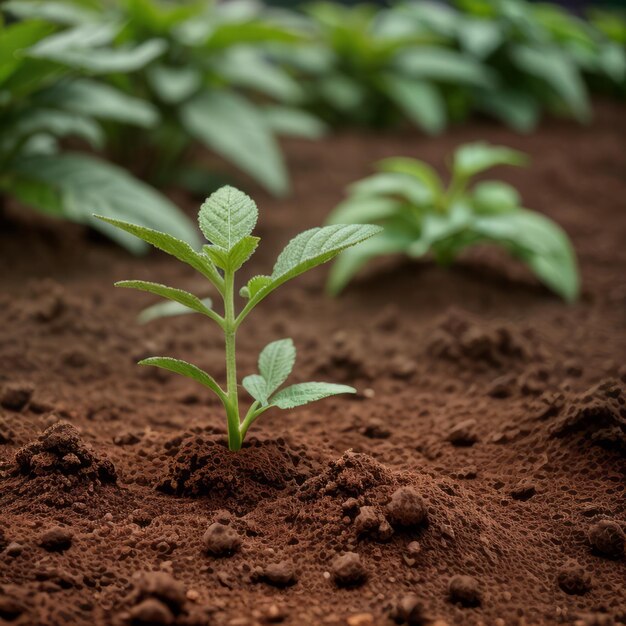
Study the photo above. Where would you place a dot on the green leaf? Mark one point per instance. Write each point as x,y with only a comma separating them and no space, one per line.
170,293
518,109
234,259
56,123
359,209
276,362
50,11
481,37
237,130
256,386
179,249
418,169
420,101
174,85
293,122
185,369
396,184
442,65
494,196
473,158
83,185
304,393
254,286
245,67
310,249
92,98
168,309
558,72
83,48
227,216
351,261
539,242
16,37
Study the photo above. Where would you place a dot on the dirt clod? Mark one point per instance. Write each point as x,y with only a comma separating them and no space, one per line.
348,570
607,538
406,508
573,579
151,612
56,539
409,609
15,396
221,540
463,434
282,574
465,590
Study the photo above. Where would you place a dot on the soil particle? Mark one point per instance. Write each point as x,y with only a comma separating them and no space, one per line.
464,590
10,608
371,522
151,612
595,619
15,396
282,574
347,570
221,540
409,609
159,586
463,434
573,579
56,539
376,429
406,508
524,490
607,538
360,619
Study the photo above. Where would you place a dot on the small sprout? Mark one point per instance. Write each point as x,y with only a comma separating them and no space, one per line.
421,215
227,219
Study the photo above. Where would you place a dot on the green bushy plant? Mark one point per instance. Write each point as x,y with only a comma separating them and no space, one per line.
542,57
212,84
53,89
421,215
368,68
227,219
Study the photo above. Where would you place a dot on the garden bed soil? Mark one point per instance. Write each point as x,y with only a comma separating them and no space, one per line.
497,410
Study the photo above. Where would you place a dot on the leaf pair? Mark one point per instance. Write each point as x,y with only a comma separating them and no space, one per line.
275,364
420,216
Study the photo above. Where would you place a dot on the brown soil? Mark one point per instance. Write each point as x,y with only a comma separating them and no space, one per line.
498,411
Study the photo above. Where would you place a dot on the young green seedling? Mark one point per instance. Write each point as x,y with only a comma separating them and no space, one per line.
421,214
227,219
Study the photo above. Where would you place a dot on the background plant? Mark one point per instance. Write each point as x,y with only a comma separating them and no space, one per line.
366,67
432,64
227,219
213,84
420,214
53,89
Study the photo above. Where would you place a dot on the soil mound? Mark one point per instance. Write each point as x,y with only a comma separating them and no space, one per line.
461,339
599,413
58,465
203,466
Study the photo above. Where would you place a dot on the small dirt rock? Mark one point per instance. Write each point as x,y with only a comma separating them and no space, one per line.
409,609
56,539
281,574
465,590
221,540
573,579
15,396
463,434
406,508
347,570
607,538
151,612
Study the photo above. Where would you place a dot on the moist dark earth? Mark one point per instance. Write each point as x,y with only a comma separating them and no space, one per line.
478,477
